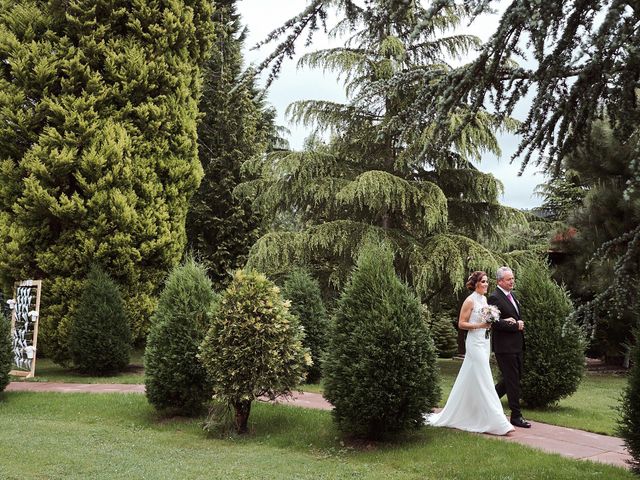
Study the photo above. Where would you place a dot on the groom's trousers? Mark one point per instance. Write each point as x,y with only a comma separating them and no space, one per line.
510,365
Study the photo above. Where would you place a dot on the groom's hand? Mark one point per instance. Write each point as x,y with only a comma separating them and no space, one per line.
520,325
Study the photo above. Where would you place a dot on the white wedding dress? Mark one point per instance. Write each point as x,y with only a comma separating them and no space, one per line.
473,404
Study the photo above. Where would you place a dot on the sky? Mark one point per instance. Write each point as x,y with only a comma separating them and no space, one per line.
262,16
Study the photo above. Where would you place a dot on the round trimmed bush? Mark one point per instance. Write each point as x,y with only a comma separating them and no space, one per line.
175,379
254,346
99,333
554,343
306,303
629,421
380,369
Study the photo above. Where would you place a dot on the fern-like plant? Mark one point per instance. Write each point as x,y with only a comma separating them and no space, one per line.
6,355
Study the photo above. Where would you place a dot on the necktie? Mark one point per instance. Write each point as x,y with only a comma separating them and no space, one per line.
512,300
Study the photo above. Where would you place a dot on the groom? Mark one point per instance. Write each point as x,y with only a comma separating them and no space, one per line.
508,343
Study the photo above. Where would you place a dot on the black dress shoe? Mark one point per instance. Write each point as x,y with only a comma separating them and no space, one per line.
520,422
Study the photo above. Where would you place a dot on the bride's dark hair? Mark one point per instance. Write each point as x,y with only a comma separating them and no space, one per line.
474,278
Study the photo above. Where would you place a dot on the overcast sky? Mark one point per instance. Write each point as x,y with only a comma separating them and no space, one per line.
262,16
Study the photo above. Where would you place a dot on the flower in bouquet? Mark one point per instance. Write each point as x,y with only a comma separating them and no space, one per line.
489,314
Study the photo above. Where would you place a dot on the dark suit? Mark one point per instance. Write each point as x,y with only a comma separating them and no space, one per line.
508,346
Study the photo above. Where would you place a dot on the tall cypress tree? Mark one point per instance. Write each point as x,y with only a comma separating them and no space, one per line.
98,154
235,127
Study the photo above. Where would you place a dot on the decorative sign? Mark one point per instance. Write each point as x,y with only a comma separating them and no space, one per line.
25,307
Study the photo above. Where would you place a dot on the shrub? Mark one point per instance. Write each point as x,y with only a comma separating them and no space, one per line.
444,334
380,369
306,303
554,343
6,355
99,333
175,379
629,421
254,346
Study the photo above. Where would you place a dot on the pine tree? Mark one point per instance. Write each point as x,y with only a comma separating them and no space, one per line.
236,126
380,369
99,335
554,343
6,353
629,421
175,379
303,291
374,177
98,153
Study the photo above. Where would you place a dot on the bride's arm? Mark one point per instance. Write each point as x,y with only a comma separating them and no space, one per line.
465,315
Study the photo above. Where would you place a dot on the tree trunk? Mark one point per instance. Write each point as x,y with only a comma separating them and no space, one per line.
242,408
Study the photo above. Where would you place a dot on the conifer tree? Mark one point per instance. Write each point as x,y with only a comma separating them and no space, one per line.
554,343
236,126
629,421
599,169
6,353
380,369
99,335
175,379
303,291
375,178
98,155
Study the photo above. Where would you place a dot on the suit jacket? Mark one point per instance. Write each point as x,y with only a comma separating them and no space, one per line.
506,336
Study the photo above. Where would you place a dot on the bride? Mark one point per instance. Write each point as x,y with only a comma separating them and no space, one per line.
473,403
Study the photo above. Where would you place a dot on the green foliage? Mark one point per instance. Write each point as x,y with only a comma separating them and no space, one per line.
554,343
99,334
6,353
373,176
98,155
600,169
380,369
235,126
629,421
303,291
254,346
175,379
444,333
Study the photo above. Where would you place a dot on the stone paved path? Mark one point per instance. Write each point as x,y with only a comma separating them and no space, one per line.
567,442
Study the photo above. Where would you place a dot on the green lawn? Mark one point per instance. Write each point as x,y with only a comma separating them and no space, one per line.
591,408
113,436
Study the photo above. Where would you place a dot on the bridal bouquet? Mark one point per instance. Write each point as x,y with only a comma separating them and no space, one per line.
489,314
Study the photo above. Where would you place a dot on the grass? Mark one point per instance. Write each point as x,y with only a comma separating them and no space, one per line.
100,436
47,371
591,408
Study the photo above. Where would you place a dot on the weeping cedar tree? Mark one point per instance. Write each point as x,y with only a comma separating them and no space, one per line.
554,343
175,379
629,421
303,291
99,334
597,173
98,154
374,179
6,353
254,346
235,126
380,372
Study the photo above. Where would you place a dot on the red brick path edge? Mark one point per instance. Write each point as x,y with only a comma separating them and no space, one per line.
567,442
